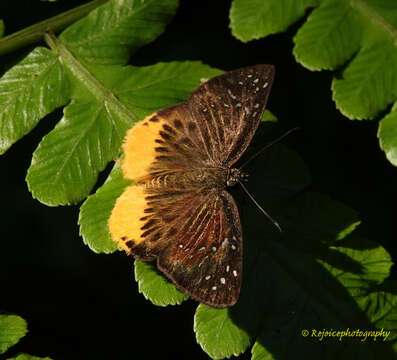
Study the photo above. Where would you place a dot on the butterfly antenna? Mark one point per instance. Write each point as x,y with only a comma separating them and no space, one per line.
268,145
260,207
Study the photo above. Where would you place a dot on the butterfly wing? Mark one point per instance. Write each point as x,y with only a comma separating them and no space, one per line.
203,256
227,110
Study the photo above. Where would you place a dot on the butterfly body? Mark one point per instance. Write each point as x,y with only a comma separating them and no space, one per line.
205,178
179,212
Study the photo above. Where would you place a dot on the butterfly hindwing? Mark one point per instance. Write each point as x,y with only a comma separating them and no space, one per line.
228,109
205,257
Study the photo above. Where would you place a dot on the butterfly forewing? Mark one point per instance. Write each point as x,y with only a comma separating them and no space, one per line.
179,211
228,109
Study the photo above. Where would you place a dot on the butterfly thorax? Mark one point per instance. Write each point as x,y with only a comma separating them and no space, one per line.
234,176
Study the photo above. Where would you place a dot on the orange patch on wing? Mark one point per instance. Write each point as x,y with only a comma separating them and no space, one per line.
139,147
124,222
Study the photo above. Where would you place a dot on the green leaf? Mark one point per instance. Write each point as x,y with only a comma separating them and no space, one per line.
330,36
2,28
110,33
380,304
29,91
28,357
253,19
369,83
268,116
80,146
374,261
96,210
387,134
155,286
12,328
66,164
218,335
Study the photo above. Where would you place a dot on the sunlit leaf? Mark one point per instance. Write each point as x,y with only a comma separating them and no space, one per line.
95,212
28,357
218,335
254,19
29,91
155,287
12,328
112,32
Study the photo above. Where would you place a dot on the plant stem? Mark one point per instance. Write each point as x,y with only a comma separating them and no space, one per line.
35,33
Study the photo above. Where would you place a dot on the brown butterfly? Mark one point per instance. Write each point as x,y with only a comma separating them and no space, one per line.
178,212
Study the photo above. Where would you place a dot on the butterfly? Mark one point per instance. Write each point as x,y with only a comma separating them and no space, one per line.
179,213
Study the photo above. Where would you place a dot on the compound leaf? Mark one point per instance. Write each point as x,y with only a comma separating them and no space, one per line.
359,35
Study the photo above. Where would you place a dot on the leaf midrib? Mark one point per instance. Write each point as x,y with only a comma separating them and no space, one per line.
376,17
84,76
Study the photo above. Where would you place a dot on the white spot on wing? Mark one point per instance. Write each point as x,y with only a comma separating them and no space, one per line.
233,247
223,281
227,268
214,288
225,242
207,277
235,273
231,94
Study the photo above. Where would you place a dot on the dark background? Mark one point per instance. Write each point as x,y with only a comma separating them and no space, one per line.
80,305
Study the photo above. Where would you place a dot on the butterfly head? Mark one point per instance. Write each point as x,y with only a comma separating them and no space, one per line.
234,176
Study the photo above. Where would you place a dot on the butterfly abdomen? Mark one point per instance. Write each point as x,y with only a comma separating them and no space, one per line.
205,178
